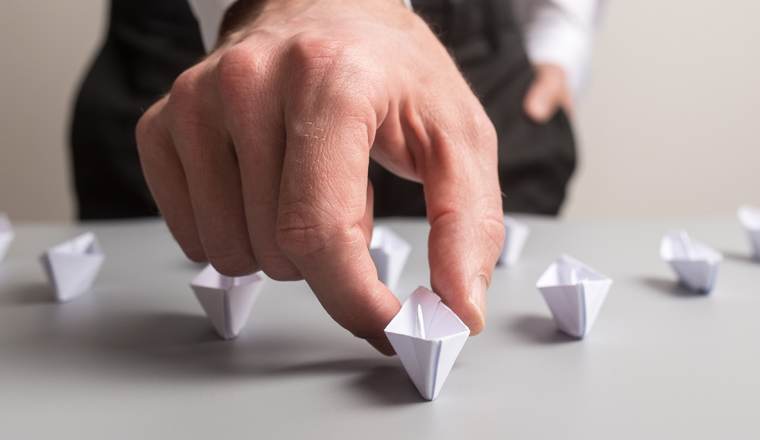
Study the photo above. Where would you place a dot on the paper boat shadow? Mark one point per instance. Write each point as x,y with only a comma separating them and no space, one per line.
737,256
538,329
389,385
671,287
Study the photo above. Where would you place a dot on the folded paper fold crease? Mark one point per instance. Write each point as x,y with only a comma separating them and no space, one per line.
427,337
227,301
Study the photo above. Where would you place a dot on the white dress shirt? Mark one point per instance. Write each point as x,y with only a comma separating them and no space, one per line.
561,32
555,31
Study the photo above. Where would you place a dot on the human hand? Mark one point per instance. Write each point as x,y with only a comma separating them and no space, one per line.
547,94
258,156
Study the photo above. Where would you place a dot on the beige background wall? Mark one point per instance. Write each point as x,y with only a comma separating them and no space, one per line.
669,126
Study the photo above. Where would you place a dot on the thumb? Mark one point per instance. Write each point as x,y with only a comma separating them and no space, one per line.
464,209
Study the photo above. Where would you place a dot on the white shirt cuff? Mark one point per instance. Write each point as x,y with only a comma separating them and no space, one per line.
210,14
562,32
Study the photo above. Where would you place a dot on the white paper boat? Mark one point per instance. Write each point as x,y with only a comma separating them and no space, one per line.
574,293
227,300
427,337
6,235
389,252
750,218
73,265
514,241
695,263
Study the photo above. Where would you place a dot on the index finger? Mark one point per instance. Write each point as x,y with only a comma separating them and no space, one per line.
322,206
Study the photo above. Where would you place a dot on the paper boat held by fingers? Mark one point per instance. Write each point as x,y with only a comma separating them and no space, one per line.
427,337
227,301
389,252
750,218
6,235
73,265
516,234
695,263
574,293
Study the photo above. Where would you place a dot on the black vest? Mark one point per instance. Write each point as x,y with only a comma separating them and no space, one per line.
150,43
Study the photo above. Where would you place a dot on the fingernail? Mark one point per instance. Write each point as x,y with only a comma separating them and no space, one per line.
478,294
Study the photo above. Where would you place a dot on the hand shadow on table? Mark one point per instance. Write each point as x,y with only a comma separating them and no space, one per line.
670,287
538,329
177,345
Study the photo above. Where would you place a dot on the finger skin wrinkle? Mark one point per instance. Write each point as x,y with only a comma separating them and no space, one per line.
304,229
494,230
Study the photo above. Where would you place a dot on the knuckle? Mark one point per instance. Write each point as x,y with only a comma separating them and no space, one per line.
185,106
186,85
488,134
144,131
301,232
315,52
481,129
238,68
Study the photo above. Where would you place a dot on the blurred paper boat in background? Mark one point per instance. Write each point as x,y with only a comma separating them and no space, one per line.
516,234
6,235
574,293
749,216
695,263
389,252
73,265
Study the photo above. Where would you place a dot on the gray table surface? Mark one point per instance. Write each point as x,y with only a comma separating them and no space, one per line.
137,358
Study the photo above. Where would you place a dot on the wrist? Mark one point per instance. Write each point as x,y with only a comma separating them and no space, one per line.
245,12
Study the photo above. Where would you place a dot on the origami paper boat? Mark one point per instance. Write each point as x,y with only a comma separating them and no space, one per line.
6,235
73,265
227,300
514,241
574,293
389,252
750,218
695,263
427,337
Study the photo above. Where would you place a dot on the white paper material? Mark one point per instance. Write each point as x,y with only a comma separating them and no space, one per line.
574,293
427,337
695,263
73,265
6,235
228,301
516,234
749,217
389,252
